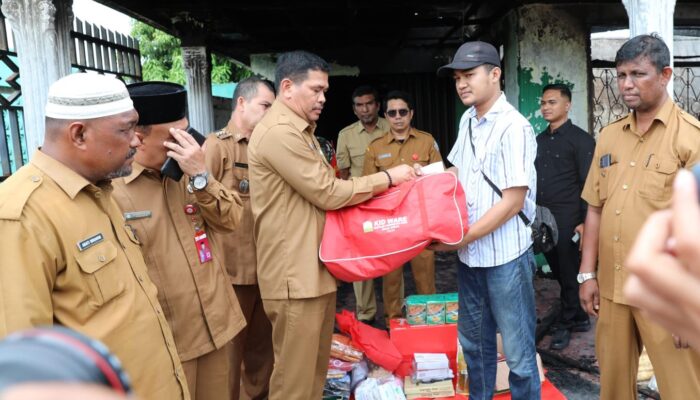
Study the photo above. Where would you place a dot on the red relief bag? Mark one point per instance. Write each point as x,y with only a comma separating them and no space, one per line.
373,238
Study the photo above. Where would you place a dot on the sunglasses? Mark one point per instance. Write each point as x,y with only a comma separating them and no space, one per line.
402,112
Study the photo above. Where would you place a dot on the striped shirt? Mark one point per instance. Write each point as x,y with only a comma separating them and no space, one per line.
505,147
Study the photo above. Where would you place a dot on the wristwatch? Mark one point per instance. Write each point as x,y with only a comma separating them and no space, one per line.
584,276
199,181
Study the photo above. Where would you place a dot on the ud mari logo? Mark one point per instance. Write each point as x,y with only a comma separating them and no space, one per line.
384,225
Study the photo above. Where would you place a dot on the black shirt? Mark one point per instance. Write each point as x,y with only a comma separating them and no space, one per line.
563,159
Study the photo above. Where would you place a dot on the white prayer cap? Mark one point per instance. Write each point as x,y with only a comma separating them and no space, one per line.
87,96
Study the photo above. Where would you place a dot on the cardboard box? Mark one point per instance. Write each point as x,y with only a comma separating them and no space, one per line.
502,370
427,390
424,361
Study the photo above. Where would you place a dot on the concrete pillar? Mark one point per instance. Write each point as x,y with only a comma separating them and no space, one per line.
545,44
649,16
198,72
41,31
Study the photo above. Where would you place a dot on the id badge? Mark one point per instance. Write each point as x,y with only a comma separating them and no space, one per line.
203,248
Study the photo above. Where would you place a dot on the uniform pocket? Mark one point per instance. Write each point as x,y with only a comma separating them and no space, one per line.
240,182
657,179
101,272
607,179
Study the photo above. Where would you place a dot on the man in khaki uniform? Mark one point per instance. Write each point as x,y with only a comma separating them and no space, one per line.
67,255
631,176
173,221
403,145
291,184
227,159
352,145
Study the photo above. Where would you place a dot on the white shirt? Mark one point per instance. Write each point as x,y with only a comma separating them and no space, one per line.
505,151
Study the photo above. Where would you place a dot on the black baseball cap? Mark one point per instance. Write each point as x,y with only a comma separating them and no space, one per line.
471,55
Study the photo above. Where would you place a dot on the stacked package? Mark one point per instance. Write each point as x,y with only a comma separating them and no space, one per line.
345,358
432,376
432,309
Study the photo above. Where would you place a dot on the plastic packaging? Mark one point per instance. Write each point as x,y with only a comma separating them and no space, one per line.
342,349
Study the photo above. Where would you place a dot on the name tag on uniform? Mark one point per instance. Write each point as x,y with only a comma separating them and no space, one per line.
240,165
385,155
130,216
89,242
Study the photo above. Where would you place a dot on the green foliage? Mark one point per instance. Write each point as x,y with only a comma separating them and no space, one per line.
161,58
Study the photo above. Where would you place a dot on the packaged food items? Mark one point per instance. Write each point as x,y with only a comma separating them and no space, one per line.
337,388
334,363
416,309
432,309
436,310
342,349
451,308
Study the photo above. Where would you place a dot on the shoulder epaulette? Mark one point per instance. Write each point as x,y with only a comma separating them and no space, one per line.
15,192
690,119
223,133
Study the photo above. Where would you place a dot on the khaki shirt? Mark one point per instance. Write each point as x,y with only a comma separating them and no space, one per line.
69,258
227,161
291,184
637,183
386,152
352,145
197,298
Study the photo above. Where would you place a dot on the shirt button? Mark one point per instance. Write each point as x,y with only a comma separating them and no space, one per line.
101,258
140,278
641,139
98,195
618,212
158,311
35,178
632,163
625,187
616,238
617,267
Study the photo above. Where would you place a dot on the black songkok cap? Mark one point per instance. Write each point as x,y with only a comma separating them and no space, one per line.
158,102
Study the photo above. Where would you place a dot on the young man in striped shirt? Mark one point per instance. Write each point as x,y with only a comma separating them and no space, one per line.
494,159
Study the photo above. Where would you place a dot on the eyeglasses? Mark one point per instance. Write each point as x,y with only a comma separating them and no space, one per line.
392,113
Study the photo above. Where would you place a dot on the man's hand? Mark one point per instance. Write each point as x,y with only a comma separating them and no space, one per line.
590,297
439,246
401,173
187,152
345,173
579,230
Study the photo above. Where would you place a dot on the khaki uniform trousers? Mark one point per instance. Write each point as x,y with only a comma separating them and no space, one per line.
621,331
302,330
252,356
209,376
365,299
423,269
